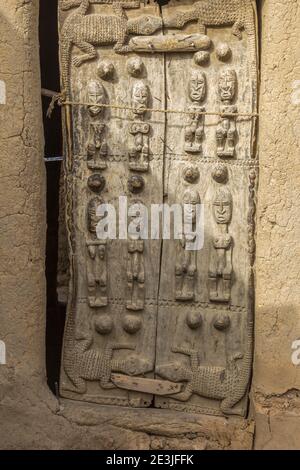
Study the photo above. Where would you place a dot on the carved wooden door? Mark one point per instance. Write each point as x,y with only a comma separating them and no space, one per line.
159,107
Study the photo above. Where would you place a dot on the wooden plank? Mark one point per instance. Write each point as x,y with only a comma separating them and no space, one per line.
152,386
170,43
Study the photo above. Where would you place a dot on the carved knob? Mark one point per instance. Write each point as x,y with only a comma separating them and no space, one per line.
222,322
106,70
136,184
104,325
96,183
191,174
201,57
194,320
132,324
220,173
223,51
135,66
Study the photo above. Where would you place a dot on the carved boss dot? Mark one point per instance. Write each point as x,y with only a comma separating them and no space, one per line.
220,173
136,184
104,325
106,70
191,174
132,324
201,57
135,66
96,183
222,322
194,320
223,51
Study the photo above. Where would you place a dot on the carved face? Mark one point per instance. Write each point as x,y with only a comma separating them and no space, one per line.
96,94
222,206
227,85
197,86
140,96
191,198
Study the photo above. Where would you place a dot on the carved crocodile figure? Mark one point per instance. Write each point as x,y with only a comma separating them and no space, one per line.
236,13
227,384
82,362
89,30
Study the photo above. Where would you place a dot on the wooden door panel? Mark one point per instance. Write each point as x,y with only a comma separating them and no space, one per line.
111,318
205,319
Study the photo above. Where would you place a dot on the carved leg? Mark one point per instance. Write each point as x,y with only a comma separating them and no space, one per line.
90,53
231,138
237,28
178,286
201,27
140,295
183,396
120,48
190,283
91,290
213,287
220,135
79,384
198,139
226,289
188,352
227,404
189,137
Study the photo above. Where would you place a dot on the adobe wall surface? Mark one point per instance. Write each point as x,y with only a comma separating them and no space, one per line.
30,416
276,382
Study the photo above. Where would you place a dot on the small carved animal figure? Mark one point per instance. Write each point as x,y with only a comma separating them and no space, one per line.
82,362
227,384
87,31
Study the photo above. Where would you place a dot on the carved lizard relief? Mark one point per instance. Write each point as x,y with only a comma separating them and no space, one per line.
87,31
236,13
82,362
227,384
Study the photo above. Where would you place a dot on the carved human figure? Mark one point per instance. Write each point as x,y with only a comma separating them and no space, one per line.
96,145
186,260
135,274
92,217
220,270
140,130
194,130
97,273
226,131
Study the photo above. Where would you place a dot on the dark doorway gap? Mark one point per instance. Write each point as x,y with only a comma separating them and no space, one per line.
48,34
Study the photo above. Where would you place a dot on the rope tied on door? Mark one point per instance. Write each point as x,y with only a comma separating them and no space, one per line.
60,99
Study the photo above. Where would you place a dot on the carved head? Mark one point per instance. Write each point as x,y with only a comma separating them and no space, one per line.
96,96
144,25
191,198
227,84
140,97
173,371
197,86
222,206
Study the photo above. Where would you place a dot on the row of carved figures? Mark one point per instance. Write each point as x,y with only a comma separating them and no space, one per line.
226,131
139,128
220,268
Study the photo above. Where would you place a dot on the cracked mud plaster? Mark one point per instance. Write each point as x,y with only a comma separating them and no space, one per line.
276,381
30,417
